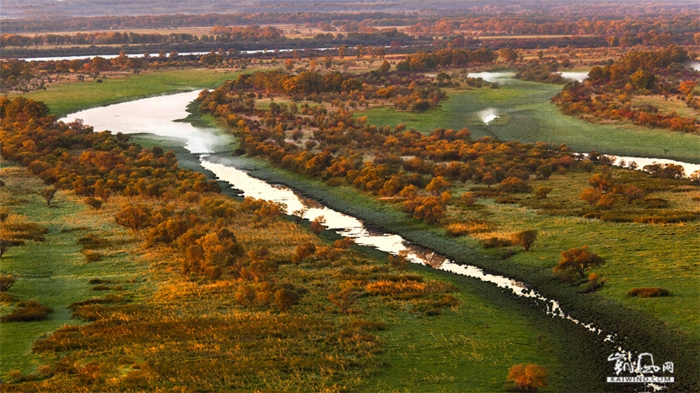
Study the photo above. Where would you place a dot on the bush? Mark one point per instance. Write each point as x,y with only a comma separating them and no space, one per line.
649,292
541,193
468,198
496,242
6,282
94,202
655,203
527,377
92,256
27,311
286,298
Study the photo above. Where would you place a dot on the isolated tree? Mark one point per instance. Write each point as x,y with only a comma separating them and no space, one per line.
525,238
343,300
317,224
48,194
528,377
577,260
341,51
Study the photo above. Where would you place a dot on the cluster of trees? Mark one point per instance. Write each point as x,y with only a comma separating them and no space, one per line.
93,164
396,163
179,20
248,33
538,71
95,38
407,92
608,91
423,61
647,30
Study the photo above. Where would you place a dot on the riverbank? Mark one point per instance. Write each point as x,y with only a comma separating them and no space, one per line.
636,330
71,97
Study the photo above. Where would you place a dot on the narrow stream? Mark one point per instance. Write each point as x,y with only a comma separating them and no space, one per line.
155,115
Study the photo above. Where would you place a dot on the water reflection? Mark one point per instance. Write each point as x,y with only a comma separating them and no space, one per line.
498,76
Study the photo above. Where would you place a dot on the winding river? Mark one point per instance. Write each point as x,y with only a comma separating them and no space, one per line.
155,115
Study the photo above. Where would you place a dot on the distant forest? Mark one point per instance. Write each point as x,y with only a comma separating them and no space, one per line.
50,9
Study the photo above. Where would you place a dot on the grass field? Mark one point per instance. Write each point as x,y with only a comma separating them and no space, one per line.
71,97
637,255
527,115
467,348
54,272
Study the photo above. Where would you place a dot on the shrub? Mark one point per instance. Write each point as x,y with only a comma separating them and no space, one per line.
514,184
468,198
496,242
94,202
655,203
317,225
27,311
399,262
303,251
527,377
286,298
541,192
92,256
649,292
6,282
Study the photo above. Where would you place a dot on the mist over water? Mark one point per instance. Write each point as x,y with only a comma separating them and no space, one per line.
575,75
488,115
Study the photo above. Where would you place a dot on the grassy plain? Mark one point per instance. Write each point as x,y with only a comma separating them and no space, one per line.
55,272
71,97
468,347
528,116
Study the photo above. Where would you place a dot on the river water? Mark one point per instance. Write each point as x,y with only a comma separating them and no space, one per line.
155,115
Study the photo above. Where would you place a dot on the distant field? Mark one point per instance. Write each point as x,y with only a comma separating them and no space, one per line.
666,106
527,115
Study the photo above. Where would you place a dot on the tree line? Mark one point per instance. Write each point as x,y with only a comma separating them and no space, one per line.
608,91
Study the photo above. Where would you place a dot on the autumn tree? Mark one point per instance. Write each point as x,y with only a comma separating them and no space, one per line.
437,185
317,225
134,217
508,54
48,194
525,238
577,260
528,377
343,300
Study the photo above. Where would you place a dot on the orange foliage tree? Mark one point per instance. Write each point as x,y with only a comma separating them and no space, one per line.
528,377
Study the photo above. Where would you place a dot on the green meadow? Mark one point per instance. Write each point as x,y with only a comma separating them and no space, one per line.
55,272
70,97
526,114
